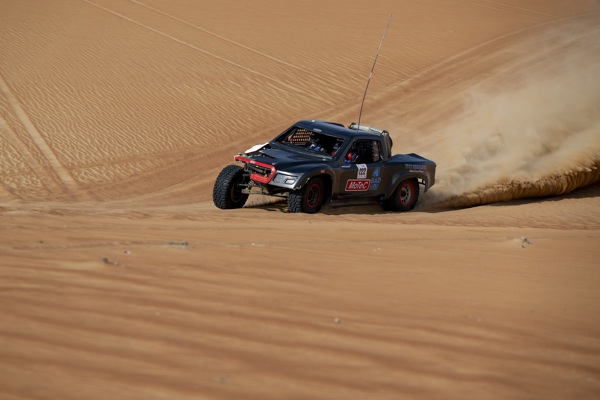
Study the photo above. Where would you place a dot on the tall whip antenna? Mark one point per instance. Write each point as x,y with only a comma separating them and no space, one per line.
373,69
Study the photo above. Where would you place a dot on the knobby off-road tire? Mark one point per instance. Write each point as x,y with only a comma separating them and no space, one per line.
308,199
405,196
227,193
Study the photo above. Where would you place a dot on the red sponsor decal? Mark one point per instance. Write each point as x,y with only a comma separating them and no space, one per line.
357,185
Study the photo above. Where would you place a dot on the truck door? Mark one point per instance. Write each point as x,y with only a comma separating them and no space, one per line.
362,170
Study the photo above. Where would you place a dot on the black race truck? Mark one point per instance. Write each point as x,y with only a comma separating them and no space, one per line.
313,163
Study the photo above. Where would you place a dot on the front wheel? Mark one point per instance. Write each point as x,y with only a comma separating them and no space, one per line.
404,197
227,192
308,199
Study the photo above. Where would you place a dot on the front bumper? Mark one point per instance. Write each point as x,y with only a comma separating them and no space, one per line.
259,172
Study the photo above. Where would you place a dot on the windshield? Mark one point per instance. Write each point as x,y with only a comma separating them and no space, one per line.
317,143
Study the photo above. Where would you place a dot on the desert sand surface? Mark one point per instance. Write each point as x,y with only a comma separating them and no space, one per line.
119,278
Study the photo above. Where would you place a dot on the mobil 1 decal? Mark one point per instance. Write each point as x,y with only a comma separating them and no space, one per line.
375,179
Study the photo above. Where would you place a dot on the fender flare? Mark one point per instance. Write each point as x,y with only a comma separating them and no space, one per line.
309,175
402,176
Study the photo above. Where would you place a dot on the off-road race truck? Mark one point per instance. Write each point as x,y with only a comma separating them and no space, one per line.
313,163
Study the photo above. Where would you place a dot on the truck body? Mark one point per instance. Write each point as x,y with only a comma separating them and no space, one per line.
316,162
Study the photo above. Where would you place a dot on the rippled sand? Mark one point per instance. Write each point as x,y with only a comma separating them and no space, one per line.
120,279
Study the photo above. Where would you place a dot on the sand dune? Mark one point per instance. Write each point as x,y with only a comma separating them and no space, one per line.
120,279
145,87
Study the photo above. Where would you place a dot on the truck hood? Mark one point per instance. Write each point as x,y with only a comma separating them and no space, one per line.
283,159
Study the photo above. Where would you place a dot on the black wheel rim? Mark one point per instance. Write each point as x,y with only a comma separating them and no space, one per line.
313,196
236,193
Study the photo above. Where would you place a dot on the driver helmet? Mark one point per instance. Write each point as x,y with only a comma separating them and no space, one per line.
350,157
314,142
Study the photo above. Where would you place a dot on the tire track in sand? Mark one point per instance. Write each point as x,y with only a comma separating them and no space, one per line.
278,82
65,180
221,37
502,5
461,57
34,165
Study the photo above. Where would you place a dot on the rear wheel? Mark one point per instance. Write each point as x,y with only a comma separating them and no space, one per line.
405,196
308,199
227,192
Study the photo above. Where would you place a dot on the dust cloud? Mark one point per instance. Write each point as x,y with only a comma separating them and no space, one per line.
534,134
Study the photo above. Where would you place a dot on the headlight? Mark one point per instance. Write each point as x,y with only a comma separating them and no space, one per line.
285,179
